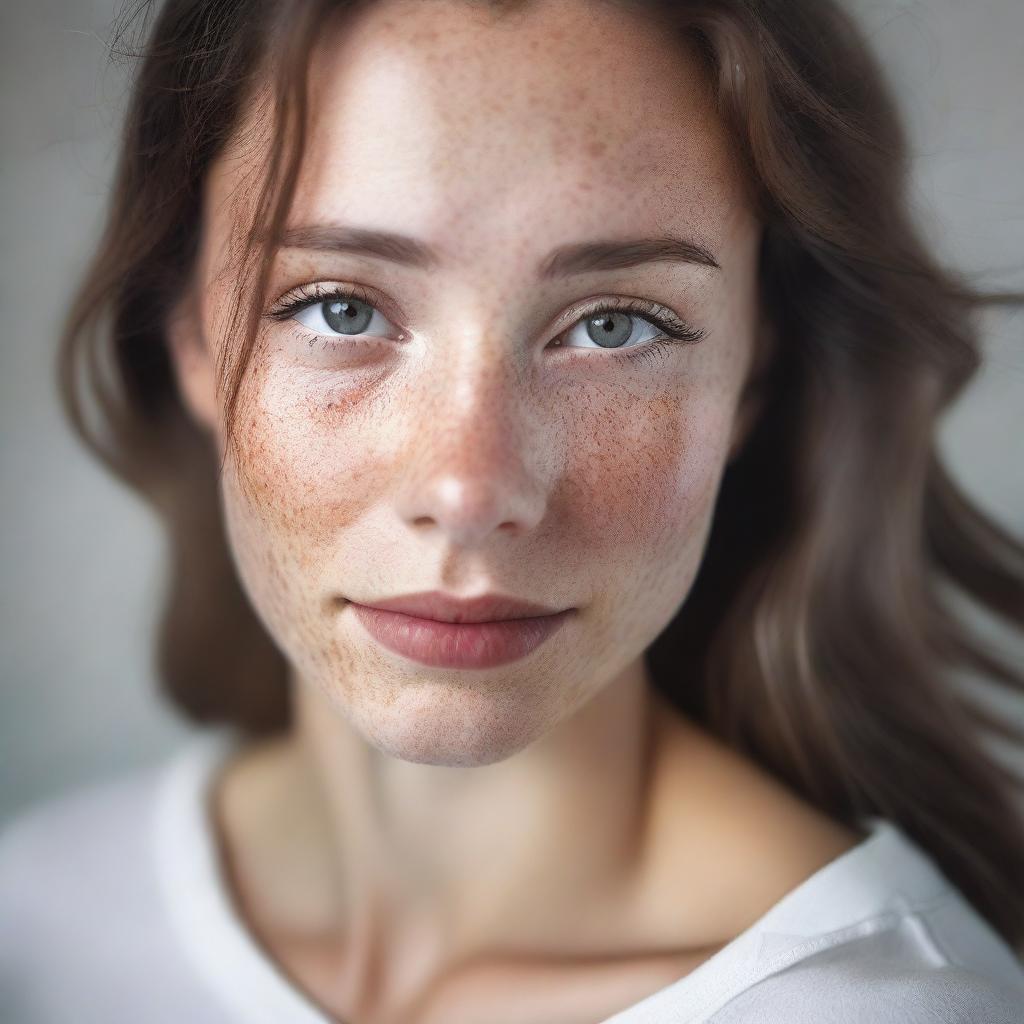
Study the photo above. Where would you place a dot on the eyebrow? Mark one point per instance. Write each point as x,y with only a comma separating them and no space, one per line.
577,258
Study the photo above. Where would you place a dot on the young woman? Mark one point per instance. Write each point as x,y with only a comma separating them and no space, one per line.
541,400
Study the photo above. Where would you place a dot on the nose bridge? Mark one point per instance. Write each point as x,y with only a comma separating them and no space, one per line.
470,466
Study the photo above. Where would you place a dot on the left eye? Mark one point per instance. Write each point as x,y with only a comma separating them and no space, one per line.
343,316
611,329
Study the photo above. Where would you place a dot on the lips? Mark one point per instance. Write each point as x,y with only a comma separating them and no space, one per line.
436,605
480,632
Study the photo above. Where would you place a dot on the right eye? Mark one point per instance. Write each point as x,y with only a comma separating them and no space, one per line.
343,316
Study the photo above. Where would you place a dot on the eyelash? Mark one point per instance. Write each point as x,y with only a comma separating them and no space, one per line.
673,330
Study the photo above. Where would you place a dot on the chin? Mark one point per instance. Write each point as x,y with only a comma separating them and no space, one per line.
456,725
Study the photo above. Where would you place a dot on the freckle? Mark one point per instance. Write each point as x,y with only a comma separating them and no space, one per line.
597,148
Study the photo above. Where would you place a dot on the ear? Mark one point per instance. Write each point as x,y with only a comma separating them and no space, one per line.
752,399
192,361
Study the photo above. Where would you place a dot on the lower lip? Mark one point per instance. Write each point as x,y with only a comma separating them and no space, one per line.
458,644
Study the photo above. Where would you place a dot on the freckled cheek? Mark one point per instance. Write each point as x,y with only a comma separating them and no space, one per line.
310,462
643,501
646,473
304,470
297,481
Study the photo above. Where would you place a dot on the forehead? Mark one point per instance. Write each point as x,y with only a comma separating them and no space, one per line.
443,120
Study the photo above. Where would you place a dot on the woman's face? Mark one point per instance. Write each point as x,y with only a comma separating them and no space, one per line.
492,425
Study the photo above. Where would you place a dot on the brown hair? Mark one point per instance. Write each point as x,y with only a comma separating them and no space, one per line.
820,636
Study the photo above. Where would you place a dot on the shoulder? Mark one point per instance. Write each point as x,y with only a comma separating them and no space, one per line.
79,898
76,844
944,995
756,838
89,923
949,994
901,975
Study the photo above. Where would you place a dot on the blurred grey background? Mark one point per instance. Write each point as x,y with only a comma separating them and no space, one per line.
81,557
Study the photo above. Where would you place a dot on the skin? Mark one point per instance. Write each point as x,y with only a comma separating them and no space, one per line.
427,841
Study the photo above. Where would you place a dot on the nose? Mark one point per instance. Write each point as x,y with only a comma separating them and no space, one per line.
474,465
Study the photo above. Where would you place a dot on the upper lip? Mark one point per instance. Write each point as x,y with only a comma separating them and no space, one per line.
443,607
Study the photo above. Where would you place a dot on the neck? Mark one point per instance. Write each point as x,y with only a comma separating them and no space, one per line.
465,847
406,861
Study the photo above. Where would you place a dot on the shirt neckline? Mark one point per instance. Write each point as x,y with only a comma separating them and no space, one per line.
866,889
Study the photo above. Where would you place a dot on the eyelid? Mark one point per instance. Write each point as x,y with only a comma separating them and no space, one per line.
306,295
641,308
590,306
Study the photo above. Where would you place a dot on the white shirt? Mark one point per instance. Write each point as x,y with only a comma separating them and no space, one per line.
113,911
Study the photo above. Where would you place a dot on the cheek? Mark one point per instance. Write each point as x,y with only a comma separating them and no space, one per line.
305,469
643,488
307,460
646,469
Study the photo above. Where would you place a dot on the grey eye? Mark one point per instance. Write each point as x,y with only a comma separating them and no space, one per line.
347,316
342,315
610,329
